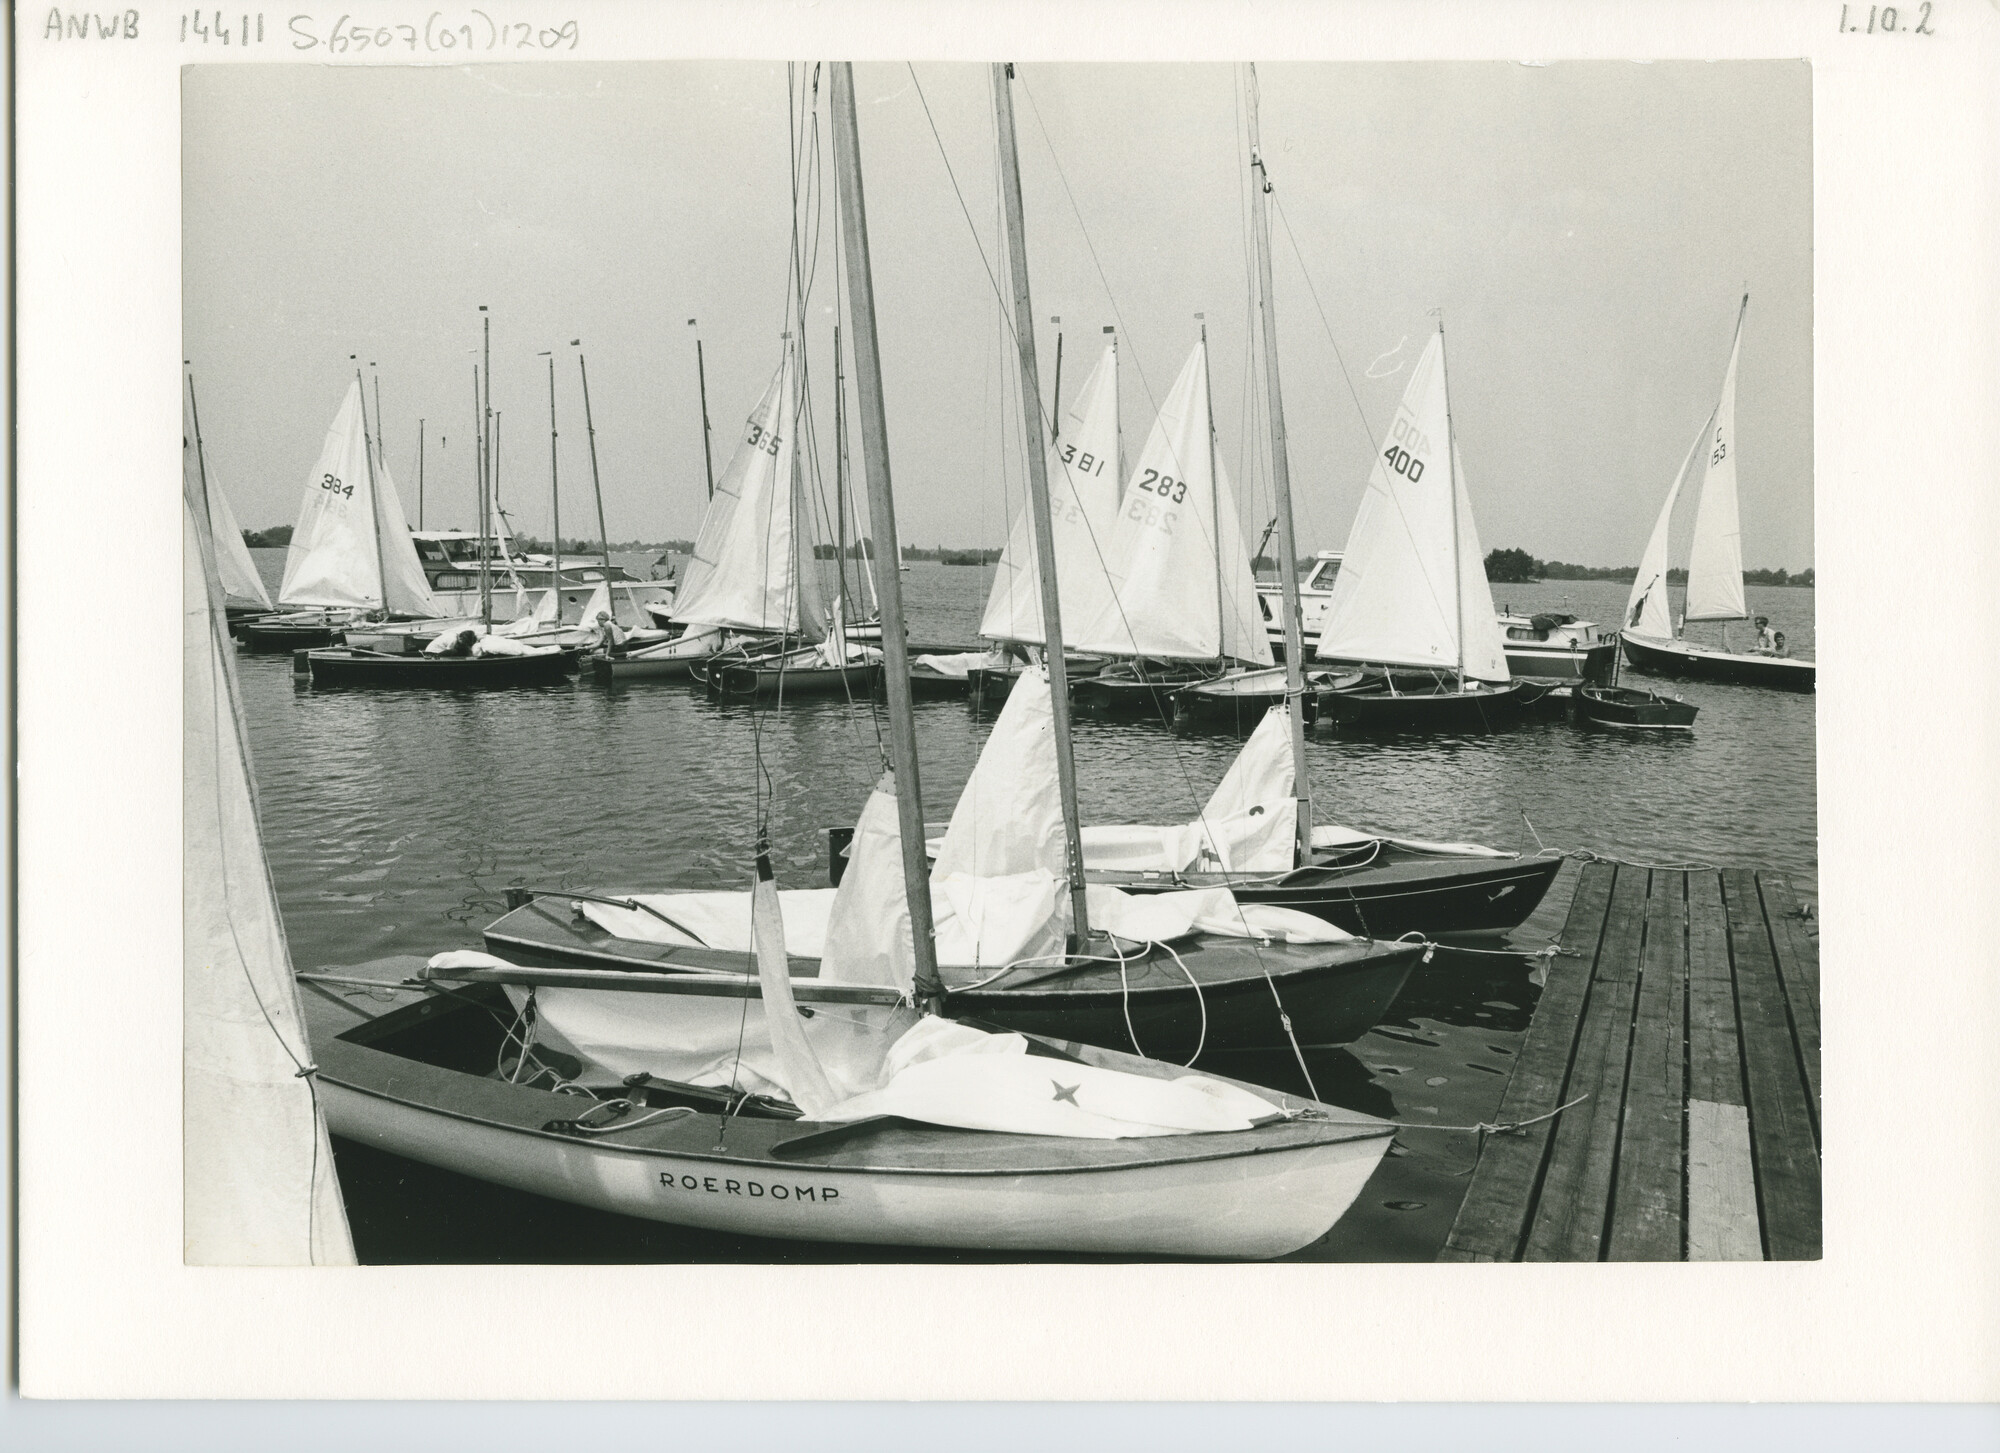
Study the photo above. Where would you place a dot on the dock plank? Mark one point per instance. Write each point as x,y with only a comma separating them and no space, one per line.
1646,1194
1570,1213
1797,952
1782,1139
1492,1220
1722,1185
1715,1064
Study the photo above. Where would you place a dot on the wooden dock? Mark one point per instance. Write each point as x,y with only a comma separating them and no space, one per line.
1685,1007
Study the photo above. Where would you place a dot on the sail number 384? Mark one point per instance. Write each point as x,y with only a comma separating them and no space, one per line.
332,485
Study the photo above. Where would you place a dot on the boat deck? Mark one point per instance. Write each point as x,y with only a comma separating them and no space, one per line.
1685,1007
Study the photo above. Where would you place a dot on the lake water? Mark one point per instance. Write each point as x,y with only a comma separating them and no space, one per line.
395,821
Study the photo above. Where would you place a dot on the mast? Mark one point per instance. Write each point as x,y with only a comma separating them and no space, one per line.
200,460
840,476
1214,494
597,488
555,491
1451,476
1038,489
380,447
420,474
701,377
1281,480
490,476
882,512
479,491
374,504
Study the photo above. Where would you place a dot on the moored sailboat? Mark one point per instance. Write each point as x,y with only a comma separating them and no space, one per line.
847,1111
1411,599
1653,641
1181,606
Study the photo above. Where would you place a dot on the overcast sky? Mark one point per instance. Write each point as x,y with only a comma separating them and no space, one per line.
1586,230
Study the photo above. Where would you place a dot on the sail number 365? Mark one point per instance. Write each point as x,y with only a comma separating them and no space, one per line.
761,438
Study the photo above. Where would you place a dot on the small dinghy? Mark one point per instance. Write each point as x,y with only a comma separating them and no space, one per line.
491,661
1398,702
293,630
834,668
1182,973
1653,641
1238,699
1622,706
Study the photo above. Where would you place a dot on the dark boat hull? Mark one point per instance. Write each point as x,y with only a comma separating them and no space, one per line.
753,679
268,636
338,667
1333,993
1427,895
1677,658
1125,690
1618,706
1376,708
1556,662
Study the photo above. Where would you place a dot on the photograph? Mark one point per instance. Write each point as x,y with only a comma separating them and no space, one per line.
985,662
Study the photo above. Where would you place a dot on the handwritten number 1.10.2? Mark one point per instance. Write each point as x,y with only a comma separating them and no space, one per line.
1886,20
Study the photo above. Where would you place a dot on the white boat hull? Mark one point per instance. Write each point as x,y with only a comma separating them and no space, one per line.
1255,1206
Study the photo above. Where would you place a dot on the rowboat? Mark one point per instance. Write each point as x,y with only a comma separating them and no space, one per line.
354,666
1623,706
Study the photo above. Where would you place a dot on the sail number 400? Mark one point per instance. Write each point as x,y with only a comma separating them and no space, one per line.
332,485
1404,463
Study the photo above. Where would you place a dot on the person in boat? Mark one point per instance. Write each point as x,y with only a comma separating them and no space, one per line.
1767,643
461,644
609,636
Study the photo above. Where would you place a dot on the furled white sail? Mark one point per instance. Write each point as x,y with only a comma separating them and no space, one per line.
1083,506
233,565
1181,586
258,1177
748,569
1410,591
334,554
1647,611
997,884
868,937
1248,826
1715,562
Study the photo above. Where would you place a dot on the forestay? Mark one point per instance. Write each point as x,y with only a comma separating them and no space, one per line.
1715,562
1410,591
1083,506
749,563
1181,587
351,547
258,1184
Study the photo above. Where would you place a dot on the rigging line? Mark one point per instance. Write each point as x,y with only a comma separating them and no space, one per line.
1346,378
1111,297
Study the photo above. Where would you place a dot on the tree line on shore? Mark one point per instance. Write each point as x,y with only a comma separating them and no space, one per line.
1518,567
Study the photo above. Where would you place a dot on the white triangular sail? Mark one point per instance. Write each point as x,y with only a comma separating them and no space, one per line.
1715,562
1485,649
334,554
1180,574
233,565
747,570
258,1176
998,879
1083,506
1410,591
1647,610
